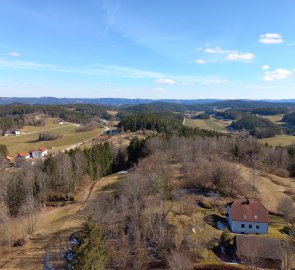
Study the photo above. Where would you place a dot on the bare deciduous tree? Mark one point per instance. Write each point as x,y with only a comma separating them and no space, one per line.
178,260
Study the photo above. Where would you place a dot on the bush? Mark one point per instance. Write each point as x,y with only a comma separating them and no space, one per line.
46,136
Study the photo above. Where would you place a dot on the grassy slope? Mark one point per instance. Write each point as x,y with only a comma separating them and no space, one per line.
279,140
277,119
209,124
52,229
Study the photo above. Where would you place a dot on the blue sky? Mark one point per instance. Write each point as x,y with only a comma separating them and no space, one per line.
148,48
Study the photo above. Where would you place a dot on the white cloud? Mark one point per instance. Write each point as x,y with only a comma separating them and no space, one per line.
165,81
215,50
236,56
14,54
265,67
201,61
25,65
100,70
159,89
216,81
279,73
271,38
233,55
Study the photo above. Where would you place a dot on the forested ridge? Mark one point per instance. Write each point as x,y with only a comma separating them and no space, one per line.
257,126
167,123
289,118
14,115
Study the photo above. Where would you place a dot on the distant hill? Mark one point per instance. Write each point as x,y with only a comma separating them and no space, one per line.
104,101
190,104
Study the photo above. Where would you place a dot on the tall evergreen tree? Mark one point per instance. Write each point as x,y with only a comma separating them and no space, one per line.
91,253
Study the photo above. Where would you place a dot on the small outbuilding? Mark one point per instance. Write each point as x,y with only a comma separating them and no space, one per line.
23,155
247,217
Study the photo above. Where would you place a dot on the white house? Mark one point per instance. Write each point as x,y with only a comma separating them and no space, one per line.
247,217
16,132
60,121
39,153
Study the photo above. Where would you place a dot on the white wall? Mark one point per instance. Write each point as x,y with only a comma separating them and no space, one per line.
236,226
39,154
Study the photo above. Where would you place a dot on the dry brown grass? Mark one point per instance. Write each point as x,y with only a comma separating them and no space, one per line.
271,188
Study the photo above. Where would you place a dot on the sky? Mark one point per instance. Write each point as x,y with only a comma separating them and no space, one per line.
189,49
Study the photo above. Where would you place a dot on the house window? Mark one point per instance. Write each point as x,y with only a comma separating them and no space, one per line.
242,225
257,227
250,226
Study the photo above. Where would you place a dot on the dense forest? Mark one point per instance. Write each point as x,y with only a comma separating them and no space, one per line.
270,111
289,118
167,123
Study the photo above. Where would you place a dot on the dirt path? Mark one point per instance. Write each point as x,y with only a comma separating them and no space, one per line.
52,231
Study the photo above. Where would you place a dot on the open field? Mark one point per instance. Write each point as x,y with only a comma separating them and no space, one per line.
27,142
279,140
277,119
113,113
209,124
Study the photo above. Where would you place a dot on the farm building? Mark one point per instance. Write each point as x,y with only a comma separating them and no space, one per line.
23,155
16,132
5,132
247,217
259,251
39,153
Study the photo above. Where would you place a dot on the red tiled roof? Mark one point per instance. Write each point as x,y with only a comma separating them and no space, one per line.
42,149
23,154
248,211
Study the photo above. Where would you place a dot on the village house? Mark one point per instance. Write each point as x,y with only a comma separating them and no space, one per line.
23,155
16,132
263,252
39,153
5,132
247,217
60,121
